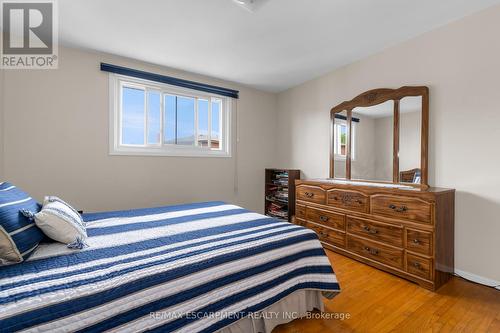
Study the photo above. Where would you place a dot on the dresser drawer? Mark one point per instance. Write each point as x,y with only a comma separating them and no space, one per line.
351,200
402,207
384,254
419,241
300,211
326,235
326,218
419,266
311,193
378,231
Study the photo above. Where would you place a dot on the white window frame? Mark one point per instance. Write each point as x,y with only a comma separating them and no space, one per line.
117,82
338,156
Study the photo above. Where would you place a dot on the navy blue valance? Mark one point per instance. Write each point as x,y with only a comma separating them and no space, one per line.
339,116
169,80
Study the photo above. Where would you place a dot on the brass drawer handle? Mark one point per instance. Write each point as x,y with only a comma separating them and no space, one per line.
401,209
417,266
370,230
309,194
371,251
323,218
416,241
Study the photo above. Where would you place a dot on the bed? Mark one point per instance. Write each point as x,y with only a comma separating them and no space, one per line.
203,267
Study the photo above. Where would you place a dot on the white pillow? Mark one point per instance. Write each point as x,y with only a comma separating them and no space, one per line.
62,223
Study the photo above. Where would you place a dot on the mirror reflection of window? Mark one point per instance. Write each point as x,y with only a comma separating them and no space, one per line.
410,117
374,142
340,132
341,135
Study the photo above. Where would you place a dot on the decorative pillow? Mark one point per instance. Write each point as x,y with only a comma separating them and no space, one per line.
19,236
61,222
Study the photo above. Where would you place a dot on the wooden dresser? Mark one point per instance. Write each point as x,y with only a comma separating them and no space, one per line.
407,232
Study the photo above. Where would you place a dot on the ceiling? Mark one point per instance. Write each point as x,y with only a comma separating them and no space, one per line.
281,44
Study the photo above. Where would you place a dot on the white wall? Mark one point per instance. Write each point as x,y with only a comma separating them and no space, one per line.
56,142
460,64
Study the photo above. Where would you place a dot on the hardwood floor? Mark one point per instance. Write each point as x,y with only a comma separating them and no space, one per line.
380,302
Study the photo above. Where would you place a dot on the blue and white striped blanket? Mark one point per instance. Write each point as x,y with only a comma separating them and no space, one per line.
188,268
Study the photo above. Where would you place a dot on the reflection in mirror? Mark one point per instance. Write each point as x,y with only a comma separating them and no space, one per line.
372,142
340,133
410,117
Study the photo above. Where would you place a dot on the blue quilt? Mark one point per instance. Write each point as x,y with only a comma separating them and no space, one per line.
187,268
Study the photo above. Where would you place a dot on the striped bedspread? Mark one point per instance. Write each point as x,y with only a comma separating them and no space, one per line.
187,268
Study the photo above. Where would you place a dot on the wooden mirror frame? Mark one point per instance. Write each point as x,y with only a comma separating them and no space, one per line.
378,96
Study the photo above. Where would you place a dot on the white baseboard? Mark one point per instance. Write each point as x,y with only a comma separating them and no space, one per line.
478,279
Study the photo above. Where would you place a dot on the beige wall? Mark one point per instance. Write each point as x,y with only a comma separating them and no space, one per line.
1,121
56,142
461,65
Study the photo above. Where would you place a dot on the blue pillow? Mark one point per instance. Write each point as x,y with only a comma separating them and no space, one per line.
19,236
5,186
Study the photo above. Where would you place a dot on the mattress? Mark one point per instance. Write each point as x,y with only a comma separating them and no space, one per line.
188,268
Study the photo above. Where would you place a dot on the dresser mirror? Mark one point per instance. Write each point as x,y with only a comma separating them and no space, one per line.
372,136
410,138
381,136
340,132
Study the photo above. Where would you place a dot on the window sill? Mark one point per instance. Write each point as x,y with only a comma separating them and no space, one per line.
174,152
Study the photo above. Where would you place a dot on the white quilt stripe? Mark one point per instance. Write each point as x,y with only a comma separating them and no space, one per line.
133,236
104,311
15,232
152,251
50,298
113,221
102,272
8,188
15,202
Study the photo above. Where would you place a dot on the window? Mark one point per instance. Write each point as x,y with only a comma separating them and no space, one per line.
340,133
158,119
